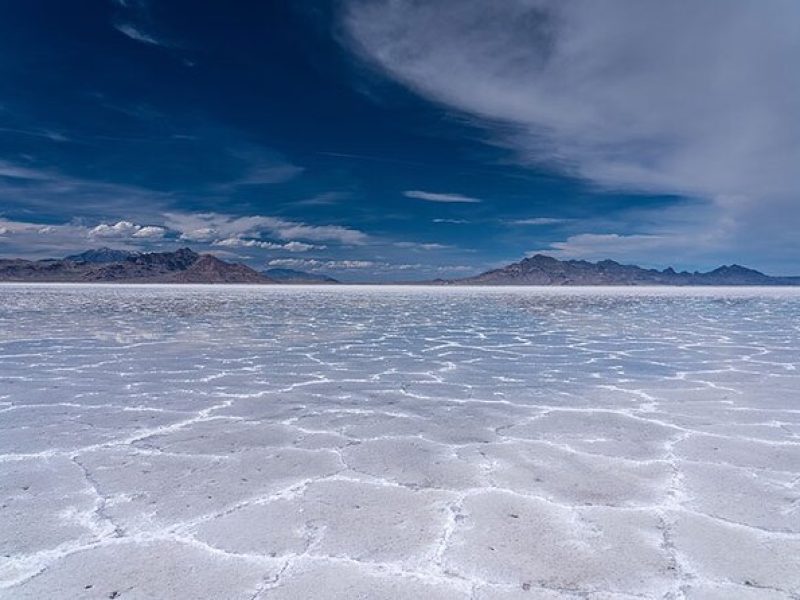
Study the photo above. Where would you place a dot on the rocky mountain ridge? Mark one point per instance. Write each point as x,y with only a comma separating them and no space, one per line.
181,266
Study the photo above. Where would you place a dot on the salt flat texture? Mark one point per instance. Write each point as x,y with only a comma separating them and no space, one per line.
399,443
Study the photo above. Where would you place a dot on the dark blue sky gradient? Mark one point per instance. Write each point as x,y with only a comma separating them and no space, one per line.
262,109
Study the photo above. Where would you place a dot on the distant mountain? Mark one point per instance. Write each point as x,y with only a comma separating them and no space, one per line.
181,266
101,255
546,270
293,276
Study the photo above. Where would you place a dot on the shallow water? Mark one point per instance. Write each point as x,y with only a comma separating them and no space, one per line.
399,442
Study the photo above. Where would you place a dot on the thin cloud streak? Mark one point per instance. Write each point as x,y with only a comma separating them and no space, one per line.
138,35
438,197
538,221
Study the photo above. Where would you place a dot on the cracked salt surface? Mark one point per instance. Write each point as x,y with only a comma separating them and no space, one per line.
271,443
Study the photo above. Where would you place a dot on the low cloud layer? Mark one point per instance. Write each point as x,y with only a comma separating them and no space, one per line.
210,230
207,227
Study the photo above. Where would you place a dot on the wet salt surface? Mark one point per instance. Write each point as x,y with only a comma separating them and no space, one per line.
339,443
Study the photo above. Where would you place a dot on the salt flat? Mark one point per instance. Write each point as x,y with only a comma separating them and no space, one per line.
396,442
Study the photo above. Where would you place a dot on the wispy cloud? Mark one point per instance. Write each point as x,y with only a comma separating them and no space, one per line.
254,165
668,247
210,226
323,199
268,174
133,19
138,34
452,221
538,221
609,245
604,88
438,197
34,188
681,98
293,246
313,264
11,170
421,245
54,136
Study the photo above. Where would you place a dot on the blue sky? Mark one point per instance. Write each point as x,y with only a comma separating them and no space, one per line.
401,140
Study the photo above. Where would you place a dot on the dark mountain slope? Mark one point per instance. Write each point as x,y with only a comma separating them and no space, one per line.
293,276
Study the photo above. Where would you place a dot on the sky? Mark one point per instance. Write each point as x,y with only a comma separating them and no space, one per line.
395,140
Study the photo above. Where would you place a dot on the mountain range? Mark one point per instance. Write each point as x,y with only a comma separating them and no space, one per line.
105,265
187,266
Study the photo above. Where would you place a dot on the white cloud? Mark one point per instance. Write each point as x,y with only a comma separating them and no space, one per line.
125,229
336,233
293,246
609,245
209,226
437,197
296,246
538,221
201,234
665,95
20,238
119,229
150,231
349,264
313,264
682,97
698,246
452,221
323,199
15,171
14,227
421,246
137,34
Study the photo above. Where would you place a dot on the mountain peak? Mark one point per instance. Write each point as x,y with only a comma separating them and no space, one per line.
295,276
737,269
100,255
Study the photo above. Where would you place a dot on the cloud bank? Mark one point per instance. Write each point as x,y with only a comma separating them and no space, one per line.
205,227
